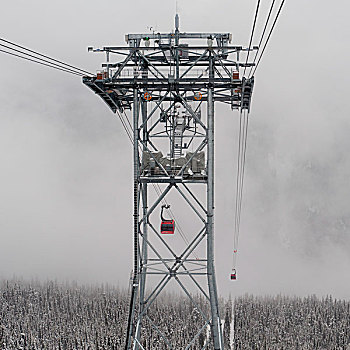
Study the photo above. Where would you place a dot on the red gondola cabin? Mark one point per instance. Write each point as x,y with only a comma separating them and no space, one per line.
167,227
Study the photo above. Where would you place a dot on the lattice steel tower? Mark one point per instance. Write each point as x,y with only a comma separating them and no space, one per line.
165,79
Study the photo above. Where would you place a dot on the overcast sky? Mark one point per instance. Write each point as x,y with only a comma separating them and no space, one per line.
66,164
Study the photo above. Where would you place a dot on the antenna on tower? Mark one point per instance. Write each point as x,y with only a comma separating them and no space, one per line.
177,23
177,17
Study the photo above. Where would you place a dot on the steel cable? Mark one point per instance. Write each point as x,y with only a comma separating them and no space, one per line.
252,34
41,59
158,189
127,119
243,165
164,201
45,56
129,131
263,33
44,64
238,170
241,160
268,38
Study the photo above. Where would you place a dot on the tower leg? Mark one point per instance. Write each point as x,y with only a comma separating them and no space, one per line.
135,283
215,324
144,251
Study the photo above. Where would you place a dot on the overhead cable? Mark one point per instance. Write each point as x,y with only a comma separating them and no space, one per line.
172,215
263,33
242,147
129,131
42,60
44,64
127,119
252,34
268,38
245,136
45,56
239,172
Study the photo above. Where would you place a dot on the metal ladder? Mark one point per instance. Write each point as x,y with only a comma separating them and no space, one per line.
178,136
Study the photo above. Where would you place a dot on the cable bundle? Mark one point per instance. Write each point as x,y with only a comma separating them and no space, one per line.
36,57
267,22
243,123
129,131
242,148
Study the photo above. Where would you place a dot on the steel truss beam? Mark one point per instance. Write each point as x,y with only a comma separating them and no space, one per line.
165,86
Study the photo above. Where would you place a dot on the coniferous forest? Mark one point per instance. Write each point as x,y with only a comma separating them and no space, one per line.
67,316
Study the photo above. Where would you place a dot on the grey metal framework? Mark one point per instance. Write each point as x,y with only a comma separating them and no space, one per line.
165,82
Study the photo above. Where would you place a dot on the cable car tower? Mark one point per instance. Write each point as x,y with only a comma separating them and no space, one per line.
170,83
